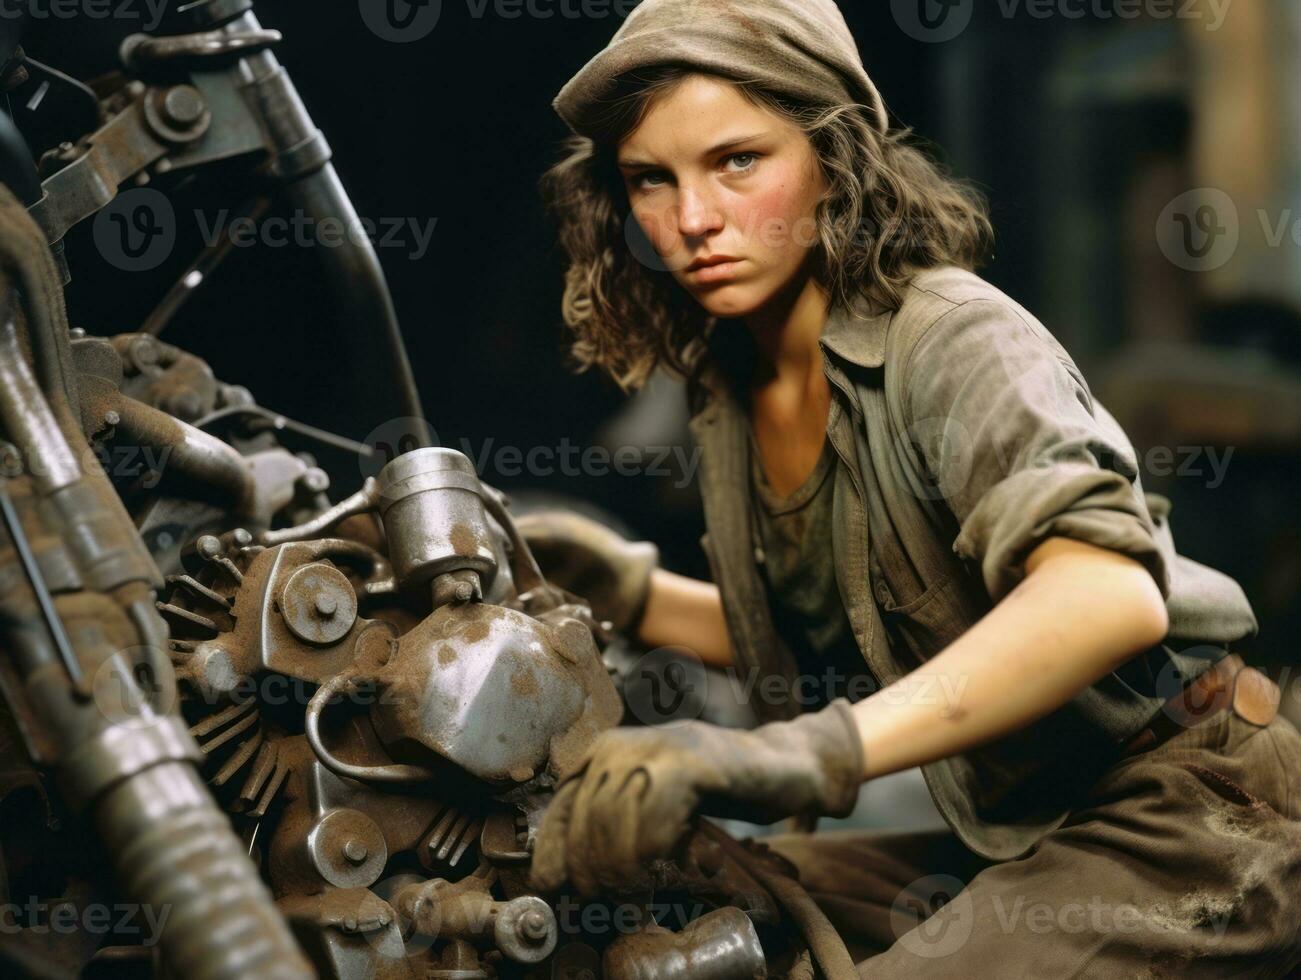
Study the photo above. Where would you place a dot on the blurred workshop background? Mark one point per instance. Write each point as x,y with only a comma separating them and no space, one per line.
1143,160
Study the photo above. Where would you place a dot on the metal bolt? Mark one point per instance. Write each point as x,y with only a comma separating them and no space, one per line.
315,480
241,537
144,352
464,592
355,851
112,418
183,105
533,926
11,463
326,605
208,546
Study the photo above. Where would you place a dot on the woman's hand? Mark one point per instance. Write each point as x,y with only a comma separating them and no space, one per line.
634,795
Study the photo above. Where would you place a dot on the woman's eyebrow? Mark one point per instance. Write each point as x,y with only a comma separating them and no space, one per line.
630,164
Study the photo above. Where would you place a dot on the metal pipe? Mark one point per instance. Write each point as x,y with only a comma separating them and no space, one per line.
176,853
301,155
365,499
36,581
201,269
192,452
28,418
354,271
396,773
826,946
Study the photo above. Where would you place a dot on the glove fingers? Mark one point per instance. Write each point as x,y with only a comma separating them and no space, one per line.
664,822
581,856
616,826
550,867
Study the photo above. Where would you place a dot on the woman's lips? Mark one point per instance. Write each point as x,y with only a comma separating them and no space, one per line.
716,273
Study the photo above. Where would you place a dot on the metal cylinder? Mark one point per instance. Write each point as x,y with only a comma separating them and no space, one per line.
431,503
719,946
177,854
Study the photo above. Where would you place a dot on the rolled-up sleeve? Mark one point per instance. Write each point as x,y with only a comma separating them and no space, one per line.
1004,424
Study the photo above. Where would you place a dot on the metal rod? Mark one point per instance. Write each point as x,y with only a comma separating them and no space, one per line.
36,580
200,270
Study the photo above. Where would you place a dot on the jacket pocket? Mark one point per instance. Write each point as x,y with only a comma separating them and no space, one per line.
926,623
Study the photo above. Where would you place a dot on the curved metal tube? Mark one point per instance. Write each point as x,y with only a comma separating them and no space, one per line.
828,949
354,270
194,453
367,498
522,555
374,774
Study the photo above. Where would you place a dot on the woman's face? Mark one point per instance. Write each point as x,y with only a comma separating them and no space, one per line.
711,175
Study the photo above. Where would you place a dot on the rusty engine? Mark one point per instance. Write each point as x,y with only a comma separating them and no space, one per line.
305,737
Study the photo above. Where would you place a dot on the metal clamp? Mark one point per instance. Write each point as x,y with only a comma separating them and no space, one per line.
140,52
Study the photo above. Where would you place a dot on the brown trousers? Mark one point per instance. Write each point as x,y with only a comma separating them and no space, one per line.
1184,861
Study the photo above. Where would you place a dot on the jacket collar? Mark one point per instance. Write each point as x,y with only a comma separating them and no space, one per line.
856,335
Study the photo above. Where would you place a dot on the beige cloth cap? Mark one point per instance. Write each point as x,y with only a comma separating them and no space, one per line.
801,48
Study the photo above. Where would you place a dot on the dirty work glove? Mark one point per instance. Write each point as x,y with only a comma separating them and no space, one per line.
636,790
586,558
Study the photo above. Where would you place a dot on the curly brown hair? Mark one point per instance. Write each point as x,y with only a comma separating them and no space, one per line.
889,212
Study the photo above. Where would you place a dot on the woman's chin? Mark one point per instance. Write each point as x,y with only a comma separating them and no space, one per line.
729,300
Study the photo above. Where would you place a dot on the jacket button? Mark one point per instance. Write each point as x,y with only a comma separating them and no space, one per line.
759,554
883,593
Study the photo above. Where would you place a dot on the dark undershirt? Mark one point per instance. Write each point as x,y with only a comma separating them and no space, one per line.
799,573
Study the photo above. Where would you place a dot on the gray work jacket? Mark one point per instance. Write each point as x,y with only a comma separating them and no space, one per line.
965,436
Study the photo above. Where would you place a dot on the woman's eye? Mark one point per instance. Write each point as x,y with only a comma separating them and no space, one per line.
641,181
748,160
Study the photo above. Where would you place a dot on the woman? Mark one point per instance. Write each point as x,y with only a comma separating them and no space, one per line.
906,477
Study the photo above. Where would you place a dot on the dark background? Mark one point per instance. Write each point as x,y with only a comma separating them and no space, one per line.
1079,130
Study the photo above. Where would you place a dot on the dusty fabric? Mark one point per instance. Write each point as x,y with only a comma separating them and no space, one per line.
965,435
1181,862
797,47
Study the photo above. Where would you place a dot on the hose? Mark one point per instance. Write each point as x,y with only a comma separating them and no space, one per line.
828,949
177,855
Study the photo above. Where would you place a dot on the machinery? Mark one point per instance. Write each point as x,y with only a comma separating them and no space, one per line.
284,736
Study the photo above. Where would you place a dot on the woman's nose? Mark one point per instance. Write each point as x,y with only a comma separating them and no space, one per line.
698,214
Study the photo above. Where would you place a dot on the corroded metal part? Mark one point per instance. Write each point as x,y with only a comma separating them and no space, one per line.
434,517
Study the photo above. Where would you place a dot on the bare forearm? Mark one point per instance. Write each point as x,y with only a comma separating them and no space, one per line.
686,612
1080,613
